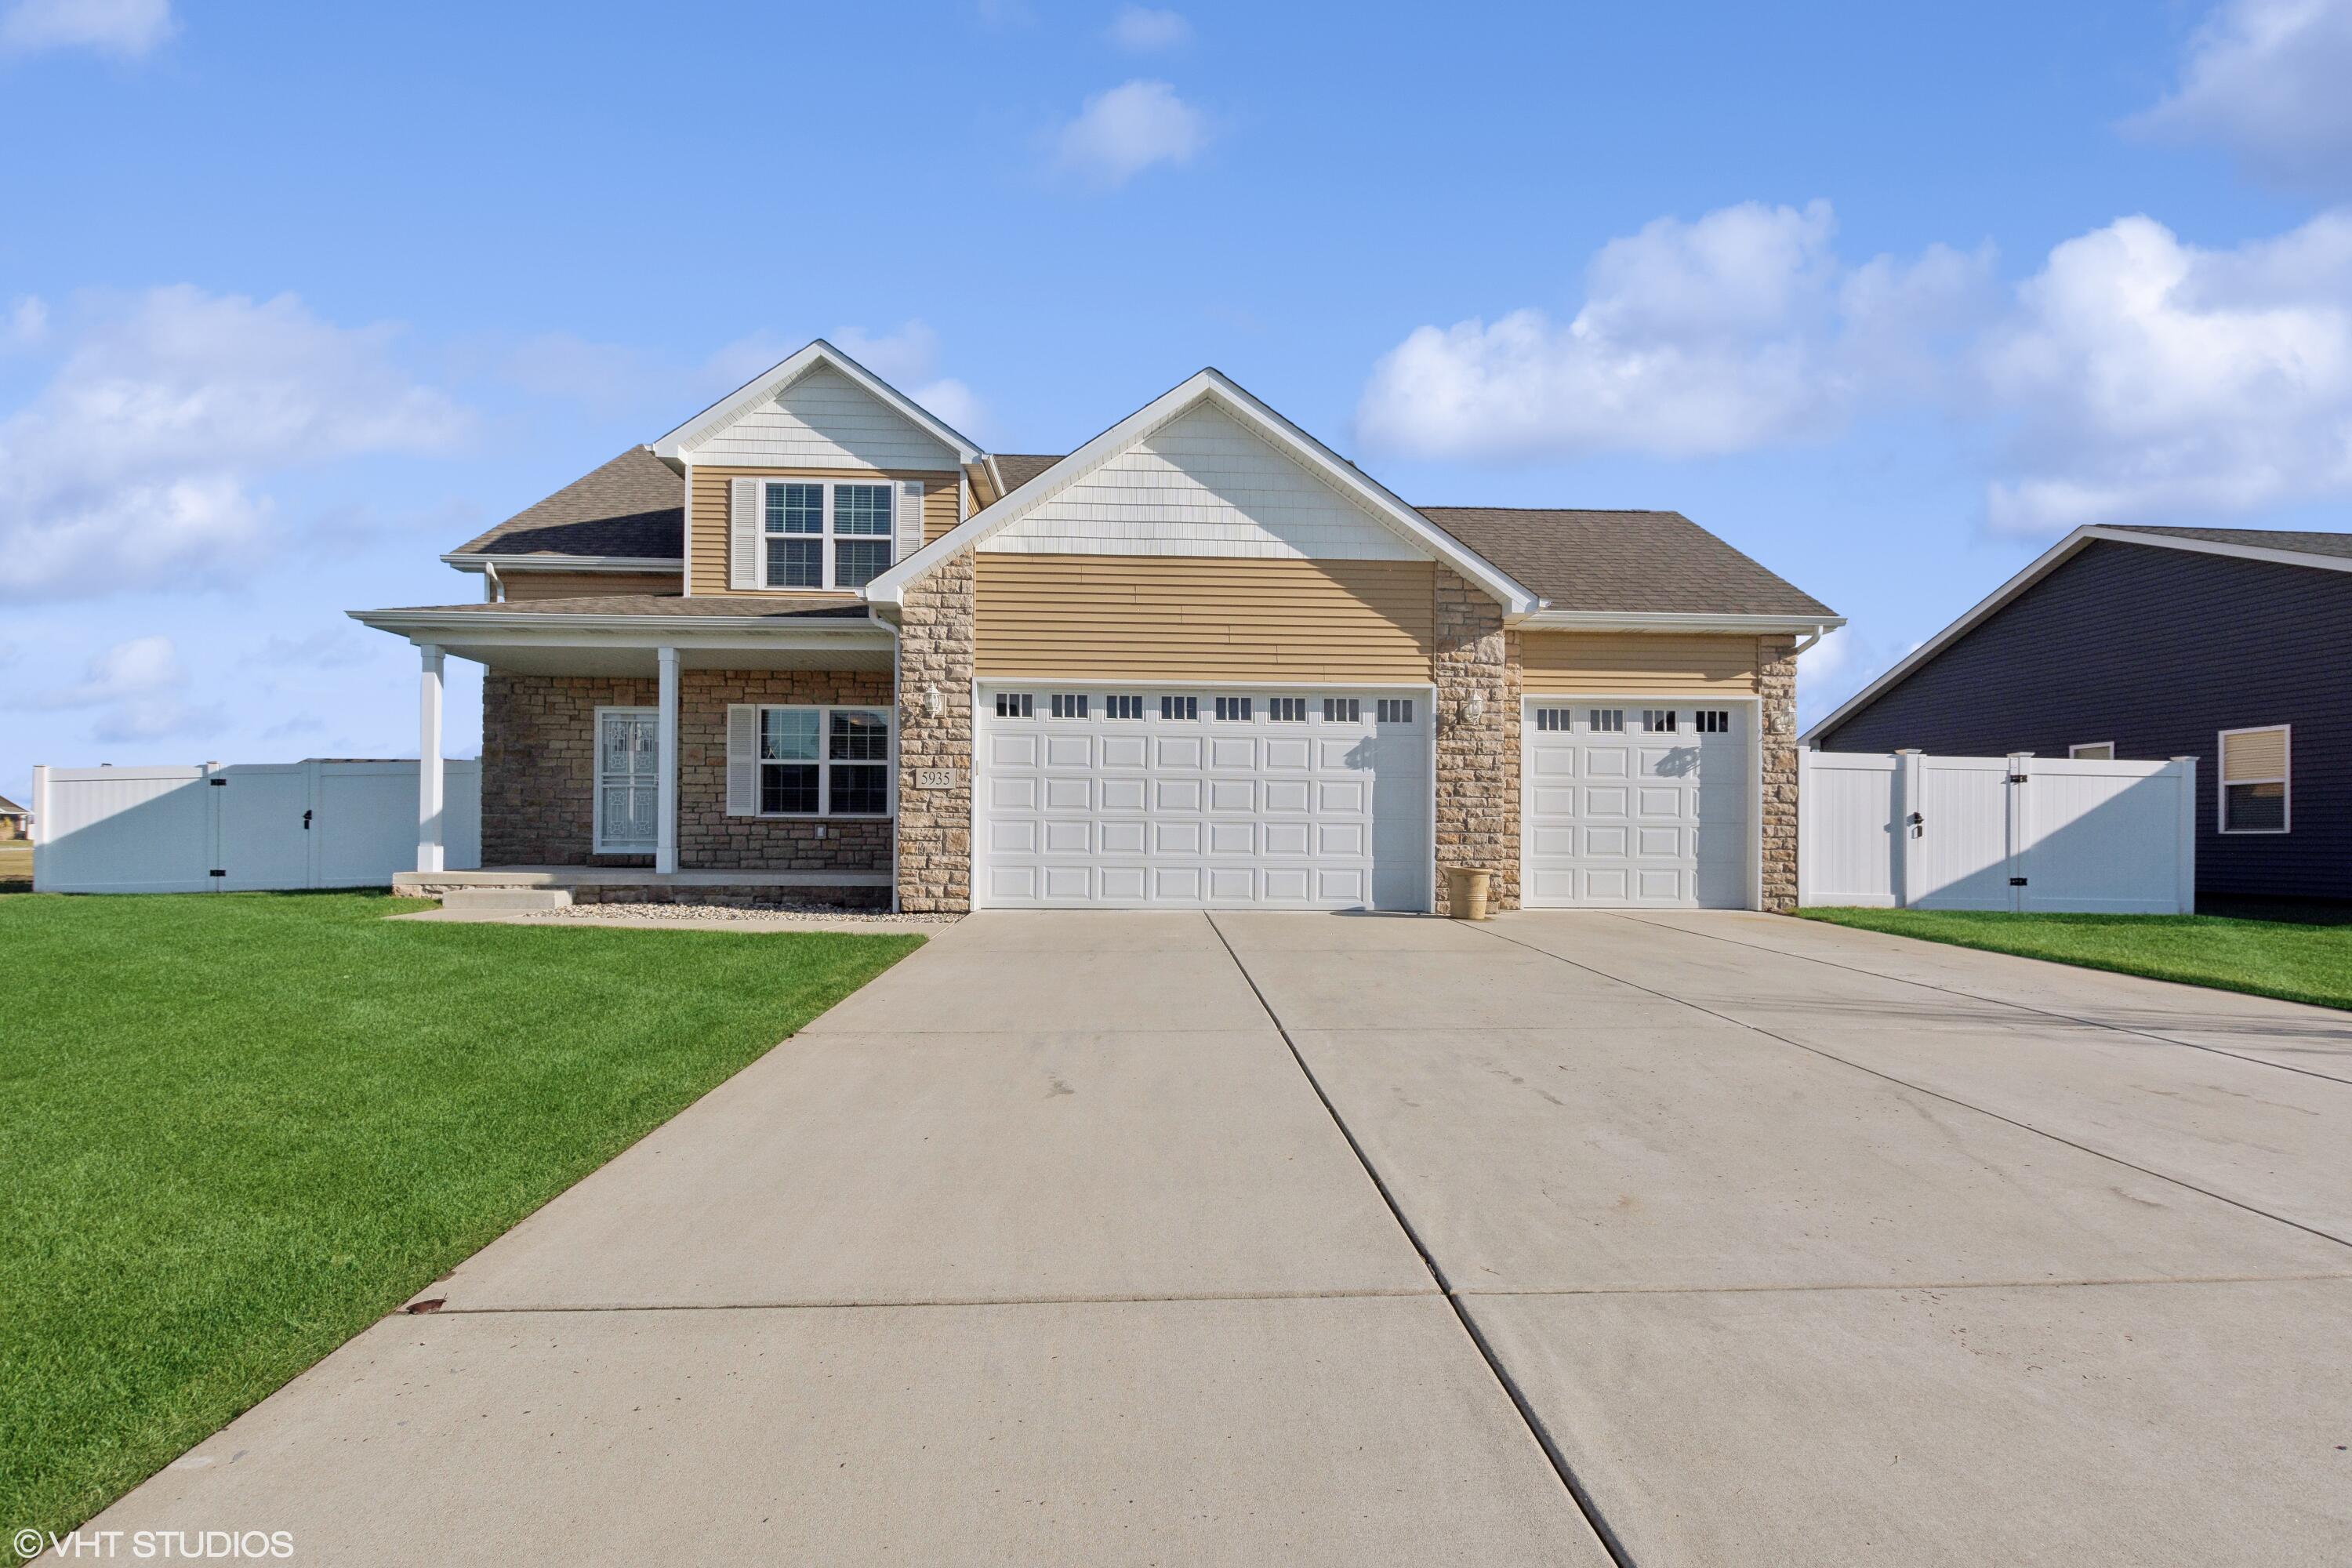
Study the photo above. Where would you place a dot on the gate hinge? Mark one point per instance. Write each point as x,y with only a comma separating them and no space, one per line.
216,873
2013,882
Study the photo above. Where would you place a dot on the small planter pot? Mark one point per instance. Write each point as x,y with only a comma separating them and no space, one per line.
1465,891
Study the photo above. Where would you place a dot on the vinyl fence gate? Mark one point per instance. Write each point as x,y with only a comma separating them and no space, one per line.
2019,833
243,828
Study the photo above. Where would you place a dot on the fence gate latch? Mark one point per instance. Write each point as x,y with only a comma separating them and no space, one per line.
217,784
2017,881
2017,778
306,822
216,872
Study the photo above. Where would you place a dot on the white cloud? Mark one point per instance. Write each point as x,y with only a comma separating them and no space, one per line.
125,27
909,359
2144,378
1737,331
136,687
29,323
1119,133
1141,30
2265,78
137,464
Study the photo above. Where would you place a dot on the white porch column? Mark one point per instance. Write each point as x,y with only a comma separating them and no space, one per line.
665,793
428,760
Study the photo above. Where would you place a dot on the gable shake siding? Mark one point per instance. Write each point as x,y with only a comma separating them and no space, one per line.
2157,650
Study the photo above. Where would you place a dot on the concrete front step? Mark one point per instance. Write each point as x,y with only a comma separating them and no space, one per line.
507,900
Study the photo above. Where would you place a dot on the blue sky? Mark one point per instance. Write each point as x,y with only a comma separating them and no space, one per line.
292,299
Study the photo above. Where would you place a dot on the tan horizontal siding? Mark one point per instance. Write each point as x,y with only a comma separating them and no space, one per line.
1129,617
1636,663
706,524
585,585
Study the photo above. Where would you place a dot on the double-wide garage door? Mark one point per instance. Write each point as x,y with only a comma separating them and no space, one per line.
1093,795
1637,802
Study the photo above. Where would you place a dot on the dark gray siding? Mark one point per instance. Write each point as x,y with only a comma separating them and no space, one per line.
2157,650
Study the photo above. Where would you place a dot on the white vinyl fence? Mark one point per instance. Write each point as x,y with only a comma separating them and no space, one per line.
1911,831
242,828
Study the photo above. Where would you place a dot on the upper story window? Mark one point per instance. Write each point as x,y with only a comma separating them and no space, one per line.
2254,774
825,533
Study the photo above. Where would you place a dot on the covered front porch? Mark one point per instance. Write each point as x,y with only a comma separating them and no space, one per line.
643,750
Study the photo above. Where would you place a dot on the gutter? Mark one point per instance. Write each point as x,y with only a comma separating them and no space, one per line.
1812,626
483,561
823,628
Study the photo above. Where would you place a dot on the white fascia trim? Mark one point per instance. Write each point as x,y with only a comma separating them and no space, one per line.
2040,567
1674,621
508,565
1213,385
628,631
678,444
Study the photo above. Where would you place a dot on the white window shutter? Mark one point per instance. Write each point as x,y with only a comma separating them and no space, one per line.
742,757
910,519
743,534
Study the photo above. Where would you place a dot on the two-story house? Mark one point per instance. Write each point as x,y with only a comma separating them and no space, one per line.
814,644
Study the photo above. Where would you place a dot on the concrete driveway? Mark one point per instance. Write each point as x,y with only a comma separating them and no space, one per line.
1168,1238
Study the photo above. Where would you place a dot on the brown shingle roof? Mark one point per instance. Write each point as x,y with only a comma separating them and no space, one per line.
829,607
1626,562
1020,468
634,505
2336,544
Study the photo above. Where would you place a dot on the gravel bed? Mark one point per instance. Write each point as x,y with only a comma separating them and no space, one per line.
734,912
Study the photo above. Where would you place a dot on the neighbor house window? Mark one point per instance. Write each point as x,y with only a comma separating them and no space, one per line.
824,761
2255,779
825,533
2093,751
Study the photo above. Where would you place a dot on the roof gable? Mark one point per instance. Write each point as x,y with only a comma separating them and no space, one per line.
1202,483
2279,547
1212,388
820,409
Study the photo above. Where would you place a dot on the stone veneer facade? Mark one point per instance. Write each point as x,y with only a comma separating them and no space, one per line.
935,655
1777,684
539,771
1478,759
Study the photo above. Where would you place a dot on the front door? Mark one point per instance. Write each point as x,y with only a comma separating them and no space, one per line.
628,746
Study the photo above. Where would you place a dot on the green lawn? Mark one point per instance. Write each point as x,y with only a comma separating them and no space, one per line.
235,1129
2269,958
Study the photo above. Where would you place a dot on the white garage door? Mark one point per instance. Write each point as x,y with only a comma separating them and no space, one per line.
1171,797
1635,801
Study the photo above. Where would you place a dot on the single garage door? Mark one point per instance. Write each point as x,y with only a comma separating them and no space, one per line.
1635,801
1185,797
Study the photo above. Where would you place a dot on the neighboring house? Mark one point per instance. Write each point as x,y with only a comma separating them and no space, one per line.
2229,644
815,640
16,821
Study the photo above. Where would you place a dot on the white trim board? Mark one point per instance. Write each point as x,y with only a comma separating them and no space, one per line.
2041,566
1207,386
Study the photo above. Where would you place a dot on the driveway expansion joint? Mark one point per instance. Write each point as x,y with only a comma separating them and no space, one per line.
1827,1055
2025,1007
1535,1426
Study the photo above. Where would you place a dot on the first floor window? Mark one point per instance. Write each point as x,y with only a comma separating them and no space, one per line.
2254,775
824,761
2093,751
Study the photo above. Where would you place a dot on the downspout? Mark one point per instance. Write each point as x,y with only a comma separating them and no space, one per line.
491,587
1804,643
898,761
